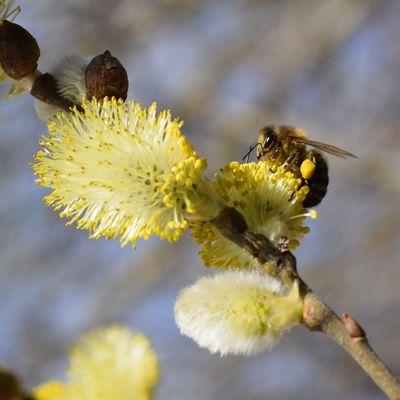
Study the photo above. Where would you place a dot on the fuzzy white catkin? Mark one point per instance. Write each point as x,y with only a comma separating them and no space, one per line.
70,75
237,312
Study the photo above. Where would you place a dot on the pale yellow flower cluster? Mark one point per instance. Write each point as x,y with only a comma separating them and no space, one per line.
109,363
270,199
119,170
237,312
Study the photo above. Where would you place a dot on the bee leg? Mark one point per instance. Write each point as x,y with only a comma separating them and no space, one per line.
290,160
311,156
274,156
247,155
307,167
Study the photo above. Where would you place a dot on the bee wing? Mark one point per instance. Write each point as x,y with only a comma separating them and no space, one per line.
328,148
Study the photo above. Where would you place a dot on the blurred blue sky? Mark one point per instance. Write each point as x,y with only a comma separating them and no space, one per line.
226,68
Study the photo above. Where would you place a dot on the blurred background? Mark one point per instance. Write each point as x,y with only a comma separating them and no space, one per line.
226,68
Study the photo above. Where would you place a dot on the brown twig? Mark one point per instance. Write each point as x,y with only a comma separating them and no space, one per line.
349,335
317,315
276,262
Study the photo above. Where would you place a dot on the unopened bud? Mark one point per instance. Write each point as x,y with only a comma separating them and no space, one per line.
353,327
106,77
19,51
45,89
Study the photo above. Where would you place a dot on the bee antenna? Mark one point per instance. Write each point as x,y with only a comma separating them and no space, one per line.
247,155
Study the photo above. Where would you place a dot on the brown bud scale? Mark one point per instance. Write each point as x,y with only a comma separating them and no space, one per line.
19,51
45,89
10,387
105,76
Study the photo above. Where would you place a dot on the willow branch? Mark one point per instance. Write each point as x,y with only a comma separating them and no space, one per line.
348,334
317,315
276,261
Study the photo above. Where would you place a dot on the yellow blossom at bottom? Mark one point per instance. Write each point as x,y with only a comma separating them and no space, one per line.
237,312
110,363
52,390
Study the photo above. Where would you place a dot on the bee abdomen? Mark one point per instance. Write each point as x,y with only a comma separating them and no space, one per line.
318,183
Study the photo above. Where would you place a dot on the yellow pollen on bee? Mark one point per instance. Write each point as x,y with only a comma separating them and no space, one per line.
307,168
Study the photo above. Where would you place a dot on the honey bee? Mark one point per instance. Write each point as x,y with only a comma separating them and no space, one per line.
287,145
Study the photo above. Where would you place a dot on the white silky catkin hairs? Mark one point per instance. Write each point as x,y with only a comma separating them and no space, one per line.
69,73
237,312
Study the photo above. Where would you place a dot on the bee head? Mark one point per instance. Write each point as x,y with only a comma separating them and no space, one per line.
268,144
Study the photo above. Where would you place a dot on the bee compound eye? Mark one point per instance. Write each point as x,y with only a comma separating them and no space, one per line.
270,140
